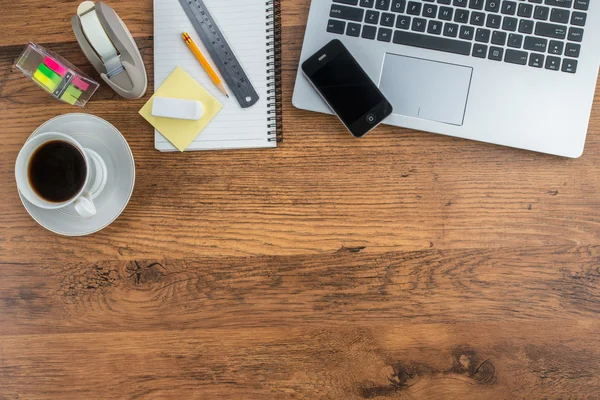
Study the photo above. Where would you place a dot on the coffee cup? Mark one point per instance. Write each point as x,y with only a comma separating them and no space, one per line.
53,171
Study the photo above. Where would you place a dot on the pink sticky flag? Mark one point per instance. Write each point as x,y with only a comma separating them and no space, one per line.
77,81
55,66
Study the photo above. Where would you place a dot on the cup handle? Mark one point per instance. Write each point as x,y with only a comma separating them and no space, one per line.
85,206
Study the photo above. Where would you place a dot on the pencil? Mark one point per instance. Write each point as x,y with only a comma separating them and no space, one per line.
209,70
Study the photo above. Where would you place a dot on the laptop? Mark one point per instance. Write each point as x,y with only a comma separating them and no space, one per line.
513,73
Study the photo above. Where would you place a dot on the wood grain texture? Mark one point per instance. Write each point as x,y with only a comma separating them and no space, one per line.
405,265
428,324
463,286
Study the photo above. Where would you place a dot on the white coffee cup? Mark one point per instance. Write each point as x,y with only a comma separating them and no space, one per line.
95,180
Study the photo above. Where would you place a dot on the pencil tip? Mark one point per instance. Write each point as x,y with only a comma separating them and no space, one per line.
227,95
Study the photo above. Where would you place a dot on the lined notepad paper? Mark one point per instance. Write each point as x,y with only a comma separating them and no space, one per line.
244,24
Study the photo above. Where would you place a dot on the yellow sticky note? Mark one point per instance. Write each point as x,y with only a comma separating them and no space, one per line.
179,85
46,82
69,99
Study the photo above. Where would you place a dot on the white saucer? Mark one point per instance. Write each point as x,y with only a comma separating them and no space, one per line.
100,136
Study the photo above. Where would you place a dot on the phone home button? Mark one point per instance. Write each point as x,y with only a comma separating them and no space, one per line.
371,118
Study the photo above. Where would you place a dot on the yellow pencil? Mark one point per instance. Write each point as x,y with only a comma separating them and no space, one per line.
209,70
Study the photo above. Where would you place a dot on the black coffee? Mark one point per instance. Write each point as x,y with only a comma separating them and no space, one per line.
57,171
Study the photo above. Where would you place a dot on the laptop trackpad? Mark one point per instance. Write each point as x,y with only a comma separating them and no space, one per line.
426,89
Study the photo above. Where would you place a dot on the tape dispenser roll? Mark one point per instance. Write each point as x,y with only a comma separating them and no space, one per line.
108,45
96,35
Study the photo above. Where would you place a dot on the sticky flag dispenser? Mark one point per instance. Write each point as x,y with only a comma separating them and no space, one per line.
56,75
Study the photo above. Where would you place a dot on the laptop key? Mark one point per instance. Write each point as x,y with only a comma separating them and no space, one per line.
515,57
446,13
476,4
384,35
582,5
536,1
367,3
477,18
372,17
429,10
466,32
461,16
414,8
460,3
482,35
559,3
515,41
560,15
382,5
492,5
353,29
536,60
388,19
551,31
535,43
369,32
493,21
578,18
496,53
553,63
572,50
569,66
447,2
334,26
556,47
575,34
344,12
450,30
499,38
432,42
419,24
403,22
349,2
509,24
479,50
435,27
525,10
526,26
398,6
541,13
509,7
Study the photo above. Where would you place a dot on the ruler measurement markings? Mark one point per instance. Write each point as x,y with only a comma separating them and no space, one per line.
220,51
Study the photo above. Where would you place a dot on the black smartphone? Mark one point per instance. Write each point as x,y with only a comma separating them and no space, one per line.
347,88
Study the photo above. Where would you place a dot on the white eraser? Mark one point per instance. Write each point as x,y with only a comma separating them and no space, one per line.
177,108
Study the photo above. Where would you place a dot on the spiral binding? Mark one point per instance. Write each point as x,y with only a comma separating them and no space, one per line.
274,71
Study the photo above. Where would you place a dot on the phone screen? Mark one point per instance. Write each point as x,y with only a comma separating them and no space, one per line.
346,87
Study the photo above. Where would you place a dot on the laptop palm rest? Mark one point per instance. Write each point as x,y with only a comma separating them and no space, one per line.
426,89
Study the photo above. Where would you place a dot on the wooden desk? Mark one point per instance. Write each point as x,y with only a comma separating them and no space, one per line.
405,265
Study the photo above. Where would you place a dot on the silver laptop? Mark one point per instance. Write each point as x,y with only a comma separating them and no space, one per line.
515,73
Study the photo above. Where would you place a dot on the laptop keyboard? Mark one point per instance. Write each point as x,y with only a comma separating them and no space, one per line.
536,33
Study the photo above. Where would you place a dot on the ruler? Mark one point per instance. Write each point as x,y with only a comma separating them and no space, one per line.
220,52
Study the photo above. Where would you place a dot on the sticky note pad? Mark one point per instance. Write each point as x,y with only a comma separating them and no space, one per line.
46,82
69,99
49,73
77,81
73,91
179,85
55,66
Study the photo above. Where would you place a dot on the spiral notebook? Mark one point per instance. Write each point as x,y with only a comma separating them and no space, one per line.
253,30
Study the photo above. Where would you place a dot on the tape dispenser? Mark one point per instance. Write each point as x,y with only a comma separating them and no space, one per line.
109,46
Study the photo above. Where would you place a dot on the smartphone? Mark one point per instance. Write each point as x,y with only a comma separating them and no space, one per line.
346,88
